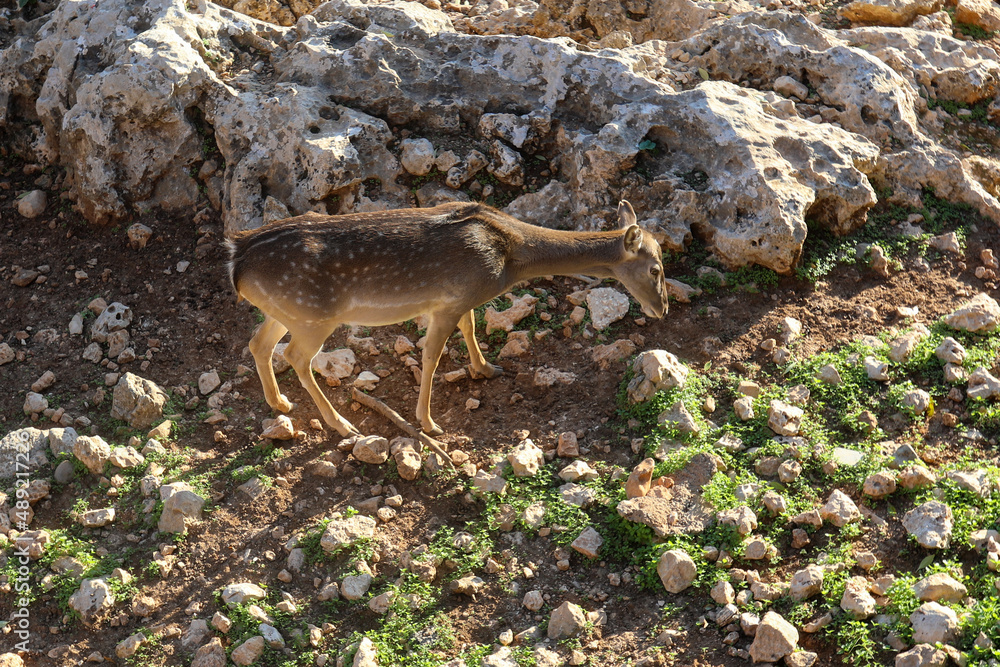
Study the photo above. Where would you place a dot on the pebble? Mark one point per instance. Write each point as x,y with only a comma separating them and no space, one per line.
32,204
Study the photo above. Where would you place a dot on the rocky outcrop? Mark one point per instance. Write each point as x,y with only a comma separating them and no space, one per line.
127,93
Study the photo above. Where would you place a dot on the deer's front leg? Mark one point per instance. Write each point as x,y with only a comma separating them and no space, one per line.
480,367
438,331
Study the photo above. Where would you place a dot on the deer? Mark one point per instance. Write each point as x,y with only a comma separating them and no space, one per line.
312,273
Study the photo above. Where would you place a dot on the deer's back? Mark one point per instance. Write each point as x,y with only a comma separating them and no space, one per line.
395,260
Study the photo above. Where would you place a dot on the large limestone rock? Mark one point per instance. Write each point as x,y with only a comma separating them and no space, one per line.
877,102
890,12
948,68
138,401
123,92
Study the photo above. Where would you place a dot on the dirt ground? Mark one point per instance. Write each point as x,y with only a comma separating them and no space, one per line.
188,323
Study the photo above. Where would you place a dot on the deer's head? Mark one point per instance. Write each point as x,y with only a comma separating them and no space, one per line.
641,269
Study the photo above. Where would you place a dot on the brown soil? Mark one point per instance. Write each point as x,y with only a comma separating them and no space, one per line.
192,323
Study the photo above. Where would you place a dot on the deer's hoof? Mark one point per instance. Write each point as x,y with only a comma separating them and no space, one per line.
489,372
434,430
284,405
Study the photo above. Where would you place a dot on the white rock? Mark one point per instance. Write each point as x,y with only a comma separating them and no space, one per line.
931,524
567,620
981,314
32,204
775,638
345,531
416,156
655,370
933,623
857,601
607,305
354,587
940,586
677,570
526,459
208,382
784,419
839,509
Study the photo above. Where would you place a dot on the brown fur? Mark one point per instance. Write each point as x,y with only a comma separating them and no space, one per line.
310,274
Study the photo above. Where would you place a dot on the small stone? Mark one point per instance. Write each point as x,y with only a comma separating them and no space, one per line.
933,623
940,586
607,305
677,570
526,459
931,524
922,655
32,204
567,446
744,408
354,587
588,543
775,638
879,485
209,382
839,509
857,601
806,583
371,449
533,600
566,621
249,651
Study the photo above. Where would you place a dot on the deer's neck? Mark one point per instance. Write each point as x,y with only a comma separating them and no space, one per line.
546,252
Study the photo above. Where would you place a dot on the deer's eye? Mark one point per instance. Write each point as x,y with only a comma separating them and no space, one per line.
654,270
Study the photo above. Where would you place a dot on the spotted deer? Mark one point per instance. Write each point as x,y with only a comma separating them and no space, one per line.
312,273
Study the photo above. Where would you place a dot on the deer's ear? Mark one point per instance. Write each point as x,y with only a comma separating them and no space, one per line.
626,214
633,239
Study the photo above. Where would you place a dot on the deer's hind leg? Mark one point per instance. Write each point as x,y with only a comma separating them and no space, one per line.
440,328
262,347
304,345
480,367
